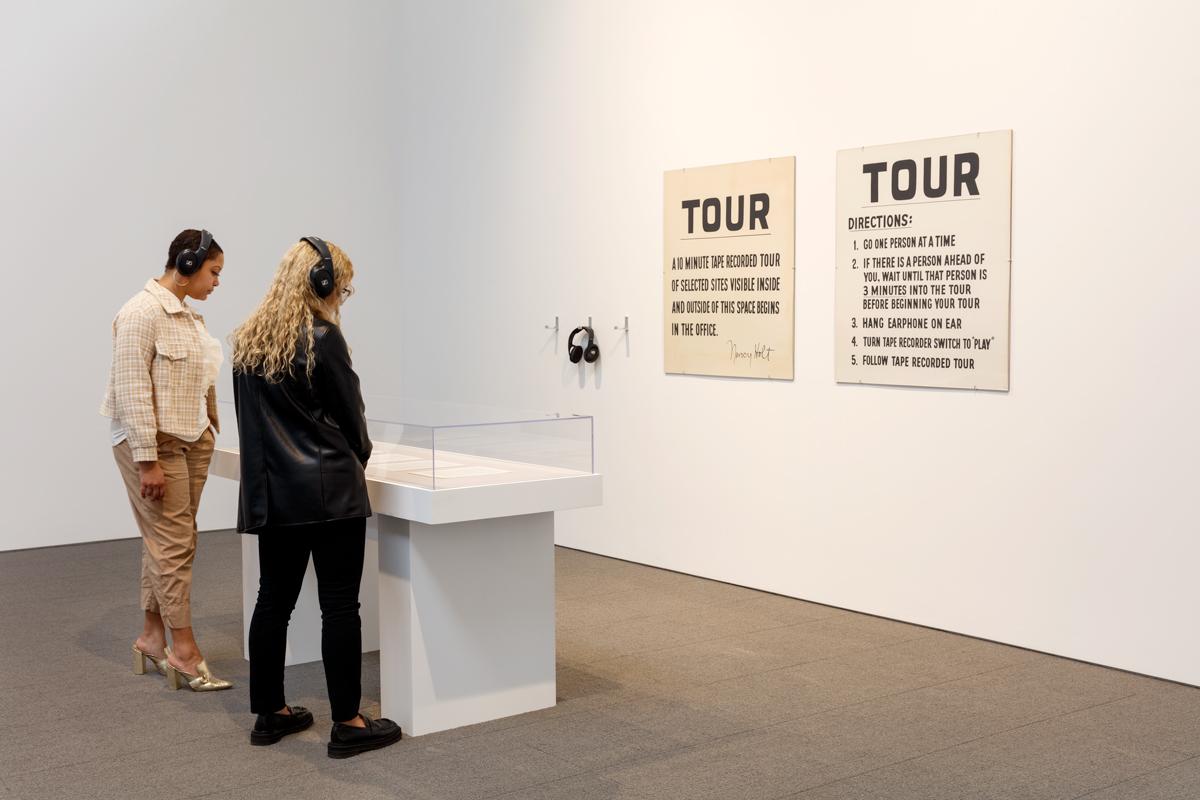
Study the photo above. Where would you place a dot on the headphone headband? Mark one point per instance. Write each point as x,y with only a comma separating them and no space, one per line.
576,332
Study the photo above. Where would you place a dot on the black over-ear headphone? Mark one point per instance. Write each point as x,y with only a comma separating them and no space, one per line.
320,277
189,261
576,352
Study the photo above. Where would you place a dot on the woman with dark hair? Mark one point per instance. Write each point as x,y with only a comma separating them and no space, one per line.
163,404
303,492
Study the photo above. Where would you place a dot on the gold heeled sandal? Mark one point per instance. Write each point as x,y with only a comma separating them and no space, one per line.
203,681
140,657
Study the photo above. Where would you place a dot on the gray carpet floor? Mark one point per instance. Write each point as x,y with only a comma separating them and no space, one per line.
669,687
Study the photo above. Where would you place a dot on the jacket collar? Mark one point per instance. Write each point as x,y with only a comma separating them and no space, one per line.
166,298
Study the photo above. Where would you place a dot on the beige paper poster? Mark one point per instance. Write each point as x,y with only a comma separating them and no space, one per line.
923,259
729,268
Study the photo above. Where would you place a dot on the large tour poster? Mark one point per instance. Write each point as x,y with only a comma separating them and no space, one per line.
923,257
729,267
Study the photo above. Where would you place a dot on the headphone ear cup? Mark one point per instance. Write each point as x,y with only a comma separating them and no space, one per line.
593,350
574,351
321,277
321,281
185,262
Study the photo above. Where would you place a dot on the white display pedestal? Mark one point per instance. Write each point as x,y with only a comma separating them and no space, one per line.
469,630
457,594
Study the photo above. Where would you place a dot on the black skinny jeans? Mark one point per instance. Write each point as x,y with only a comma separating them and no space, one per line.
337,554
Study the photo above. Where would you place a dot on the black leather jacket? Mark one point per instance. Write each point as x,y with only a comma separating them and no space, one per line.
303,444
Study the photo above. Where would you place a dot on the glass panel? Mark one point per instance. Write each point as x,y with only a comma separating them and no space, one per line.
440,414
453,445
491,453
227,439
402,452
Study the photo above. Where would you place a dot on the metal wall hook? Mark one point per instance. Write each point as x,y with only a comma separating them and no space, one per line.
555,328
625,329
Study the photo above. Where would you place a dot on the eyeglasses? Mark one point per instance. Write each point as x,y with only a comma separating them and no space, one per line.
347,293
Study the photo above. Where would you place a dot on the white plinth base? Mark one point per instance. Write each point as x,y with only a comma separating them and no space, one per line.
469,633
465,578
304,631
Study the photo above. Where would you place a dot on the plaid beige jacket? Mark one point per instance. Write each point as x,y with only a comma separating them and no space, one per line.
157,376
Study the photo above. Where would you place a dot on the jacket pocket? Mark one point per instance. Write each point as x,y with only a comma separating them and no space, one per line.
172,351
170,374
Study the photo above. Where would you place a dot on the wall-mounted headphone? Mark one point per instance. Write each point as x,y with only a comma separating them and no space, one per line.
577,352
189,261
320,277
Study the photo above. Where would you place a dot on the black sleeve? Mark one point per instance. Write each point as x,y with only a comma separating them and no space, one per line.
338,390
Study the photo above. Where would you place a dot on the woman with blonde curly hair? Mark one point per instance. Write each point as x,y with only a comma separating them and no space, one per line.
304,445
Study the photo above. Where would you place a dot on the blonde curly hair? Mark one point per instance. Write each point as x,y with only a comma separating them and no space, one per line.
266,342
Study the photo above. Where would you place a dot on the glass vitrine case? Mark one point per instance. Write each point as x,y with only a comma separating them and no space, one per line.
438,445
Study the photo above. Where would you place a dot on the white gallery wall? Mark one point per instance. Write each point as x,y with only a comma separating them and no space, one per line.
126,122
1058,516
491,165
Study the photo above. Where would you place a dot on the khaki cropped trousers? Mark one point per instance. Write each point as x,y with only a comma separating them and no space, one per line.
168,526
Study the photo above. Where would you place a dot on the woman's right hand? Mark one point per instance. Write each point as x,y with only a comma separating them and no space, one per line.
154,483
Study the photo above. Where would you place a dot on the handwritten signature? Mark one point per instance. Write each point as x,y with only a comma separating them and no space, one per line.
760,352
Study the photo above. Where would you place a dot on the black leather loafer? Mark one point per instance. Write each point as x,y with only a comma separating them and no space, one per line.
270,728
347,740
